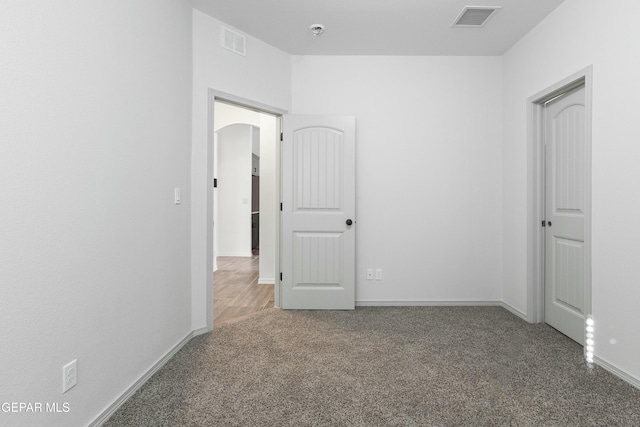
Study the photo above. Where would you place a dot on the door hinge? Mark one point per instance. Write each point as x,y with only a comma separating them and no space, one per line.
280,205
281,277
281,136
544,223
215,182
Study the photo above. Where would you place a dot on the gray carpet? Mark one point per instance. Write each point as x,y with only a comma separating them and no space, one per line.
382,366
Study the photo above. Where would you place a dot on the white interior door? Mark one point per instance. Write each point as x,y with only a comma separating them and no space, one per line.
566,191
318,212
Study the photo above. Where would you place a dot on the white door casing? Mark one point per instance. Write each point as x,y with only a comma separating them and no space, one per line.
318,202
565,212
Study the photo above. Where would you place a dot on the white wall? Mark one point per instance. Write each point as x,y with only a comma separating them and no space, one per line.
428,169
263,76
227,114
234,190
255,148
94,255
580,33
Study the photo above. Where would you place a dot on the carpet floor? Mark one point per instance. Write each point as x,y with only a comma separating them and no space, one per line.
382,366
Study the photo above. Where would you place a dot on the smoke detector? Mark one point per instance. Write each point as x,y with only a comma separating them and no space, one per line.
317,29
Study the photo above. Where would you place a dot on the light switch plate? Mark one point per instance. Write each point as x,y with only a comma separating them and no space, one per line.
69,375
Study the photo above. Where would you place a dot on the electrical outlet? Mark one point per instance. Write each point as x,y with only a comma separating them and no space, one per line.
69,375
369,273
378,274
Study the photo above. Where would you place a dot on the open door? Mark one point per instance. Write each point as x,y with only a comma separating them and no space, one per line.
318,212
566,198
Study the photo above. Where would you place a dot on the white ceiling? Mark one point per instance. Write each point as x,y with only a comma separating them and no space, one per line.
379,27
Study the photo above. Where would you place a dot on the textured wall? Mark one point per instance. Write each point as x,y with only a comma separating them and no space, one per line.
428,187
576,35
94,255
234,190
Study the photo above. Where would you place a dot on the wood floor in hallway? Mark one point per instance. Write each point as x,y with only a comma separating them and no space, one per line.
236,291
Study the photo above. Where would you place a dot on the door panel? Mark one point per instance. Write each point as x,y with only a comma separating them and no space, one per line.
318,194
565,256
569,277
318,169
317,260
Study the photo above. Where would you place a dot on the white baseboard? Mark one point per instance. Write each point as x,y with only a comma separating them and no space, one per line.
514,310
443,303
200,331
238,254
266,281
617,372
111,409
417,303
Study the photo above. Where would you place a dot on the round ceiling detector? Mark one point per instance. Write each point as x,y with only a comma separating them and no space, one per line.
317,29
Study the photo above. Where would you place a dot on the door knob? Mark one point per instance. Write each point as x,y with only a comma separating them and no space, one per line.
349,222
549,223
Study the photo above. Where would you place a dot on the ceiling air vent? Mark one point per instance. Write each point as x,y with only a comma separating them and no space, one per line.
475,16
233,41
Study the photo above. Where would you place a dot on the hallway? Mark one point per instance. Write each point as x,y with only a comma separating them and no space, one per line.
236,292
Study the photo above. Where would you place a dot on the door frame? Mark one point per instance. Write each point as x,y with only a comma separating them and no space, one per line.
213,96
536,191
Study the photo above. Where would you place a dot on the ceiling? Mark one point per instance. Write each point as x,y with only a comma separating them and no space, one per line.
379,27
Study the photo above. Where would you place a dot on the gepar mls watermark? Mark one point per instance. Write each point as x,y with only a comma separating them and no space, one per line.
35,407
